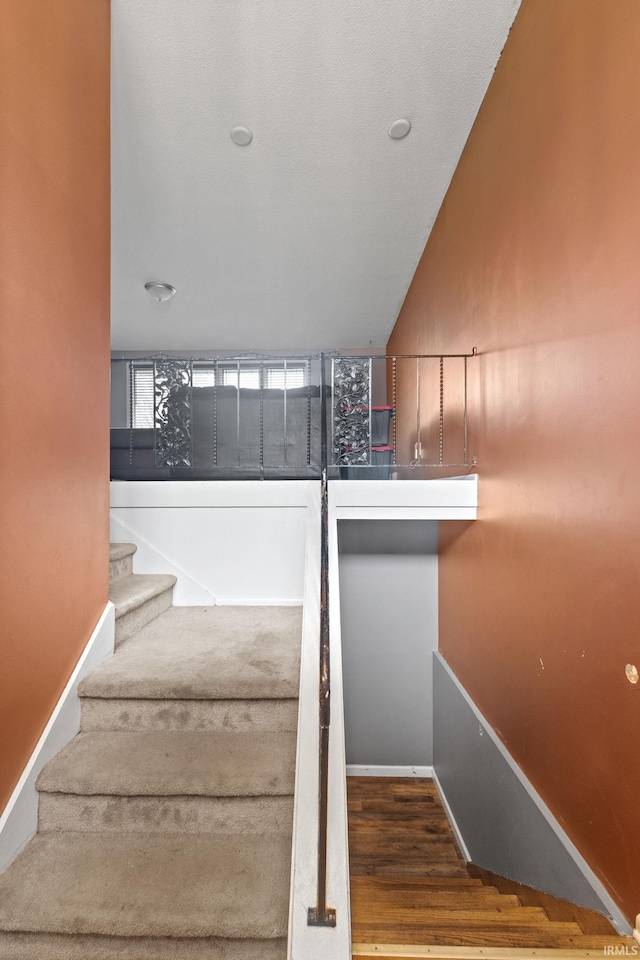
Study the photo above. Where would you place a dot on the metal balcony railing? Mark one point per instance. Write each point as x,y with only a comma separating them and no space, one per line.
262,417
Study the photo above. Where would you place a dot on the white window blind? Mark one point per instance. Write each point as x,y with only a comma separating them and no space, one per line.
276,380
204,375
141,396
248,377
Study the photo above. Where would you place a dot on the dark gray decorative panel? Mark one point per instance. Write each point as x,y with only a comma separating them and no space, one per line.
351,388
172,381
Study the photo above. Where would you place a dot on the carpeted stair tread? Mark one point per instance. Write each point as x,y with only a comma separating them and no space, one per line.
121,560
118,551
200,653
131,592
164,814
197,716
161,763
149,885
37,946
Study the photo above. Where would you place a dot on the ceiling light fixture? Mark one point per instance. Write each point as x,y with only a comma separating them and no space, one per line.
159,291
242,136
399,129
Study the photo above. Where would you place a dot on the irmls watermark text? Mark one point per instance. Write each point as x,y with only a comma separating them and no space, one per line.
620,951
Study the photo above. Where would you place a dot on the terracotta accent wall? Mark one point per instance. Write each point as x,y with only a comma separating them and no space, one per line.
54,355
535,259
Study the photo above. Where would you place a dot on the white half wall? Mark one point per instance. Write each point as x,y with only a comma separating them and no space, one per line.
227,542
453,499
19,821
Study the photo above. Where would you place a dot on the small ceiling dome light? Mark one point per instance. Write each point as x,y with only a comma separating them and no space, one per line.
399,129
242,136
159,291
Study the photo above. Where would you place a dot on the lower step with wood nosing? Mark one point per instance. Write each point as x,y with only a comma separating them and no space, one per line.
418,883
439,899
506,916
370,867
488,934
392,951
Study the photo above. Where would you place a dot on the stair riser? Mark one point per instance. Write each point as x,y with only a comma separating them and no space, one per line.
120,568
34,946
135,620
189,716
100,814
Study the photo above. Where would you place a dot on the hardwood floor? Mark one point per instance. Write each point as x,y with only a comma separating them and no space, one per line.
411,890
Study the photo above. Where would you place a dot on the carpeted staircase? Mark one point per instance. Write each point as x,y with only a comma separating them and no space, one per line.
165,825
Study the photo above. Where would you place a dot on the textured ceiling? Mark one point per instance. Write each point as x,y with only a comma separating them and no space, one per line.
309,236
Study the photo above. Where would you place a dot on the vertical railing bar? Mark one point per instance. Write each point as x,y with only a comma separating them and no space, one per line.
261,374
131,402
190,372
441,437
370,457
155,416
394,411
321,915
284,409
418,450
466,452
238,410
215,413
333,418
308,411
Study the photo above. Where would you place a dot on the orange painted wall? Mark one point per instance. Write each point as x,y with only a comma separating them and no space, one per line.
54,355
535,259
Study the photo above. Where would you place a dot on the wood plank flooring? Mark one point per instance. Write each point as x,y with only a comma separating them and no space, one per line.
411,890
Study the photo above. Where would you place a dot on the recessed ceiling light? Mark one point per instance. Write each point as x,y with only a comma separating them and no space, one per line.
399,129
242,136
159,291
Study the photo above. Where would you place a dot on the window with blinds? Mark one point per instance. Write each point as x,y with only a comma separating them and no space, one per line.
246,375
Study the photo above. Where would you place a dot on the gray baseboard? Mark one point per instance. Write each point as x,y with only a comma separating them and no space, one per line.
505,825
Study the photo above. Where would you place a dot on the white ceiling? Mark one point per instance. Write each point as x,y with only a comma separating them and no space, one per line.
308,237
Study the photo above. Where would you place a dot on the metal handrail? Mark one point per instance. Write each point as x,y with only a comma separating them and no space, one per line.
321,915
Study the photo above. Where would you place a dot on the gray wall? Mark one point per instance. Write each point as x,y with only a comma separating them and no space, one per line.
389,615
119,413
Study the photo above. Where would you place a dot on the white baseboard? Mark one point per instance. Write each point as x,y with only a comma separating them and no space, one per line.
366,770
452,820
221,602
19,821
